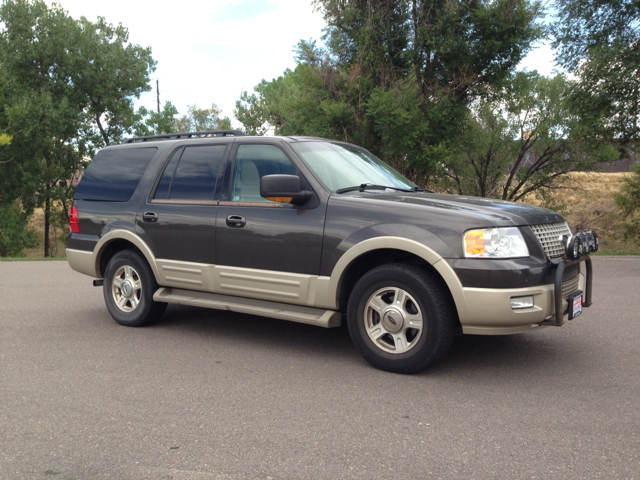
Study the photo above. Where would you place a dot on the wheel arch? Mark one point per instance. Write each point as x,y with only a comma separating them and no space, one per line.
373,252
116,241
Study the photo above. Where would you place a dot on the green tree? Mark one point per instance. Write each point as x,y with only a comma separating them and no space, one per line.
397,76
203,119
115,75
258,112
599,41
300,102
586,26
628,201
522,139
149,122
67,88
14,234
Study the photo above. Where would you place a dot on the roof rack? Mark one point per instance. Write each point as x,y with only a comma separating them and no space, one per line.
178,136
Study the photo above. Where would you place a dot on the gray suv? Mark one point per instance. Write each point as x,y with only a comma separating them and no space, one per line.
316,231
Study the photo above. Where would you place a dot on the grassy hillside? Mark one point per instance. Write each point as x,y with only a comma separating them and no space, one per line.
586,201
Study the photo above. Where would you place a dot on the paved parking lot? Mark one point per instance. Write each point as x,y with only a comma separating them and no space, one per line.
216,395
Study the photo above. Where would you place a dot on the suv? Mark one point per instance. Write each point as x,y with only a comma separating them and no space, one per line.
313,230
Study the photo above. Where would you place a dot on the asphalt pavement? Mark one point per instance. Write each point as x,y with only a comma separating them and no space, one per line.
205,394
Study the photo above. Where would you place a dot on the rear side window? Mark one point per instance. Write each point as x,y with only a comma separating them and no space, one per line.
114,174
191,174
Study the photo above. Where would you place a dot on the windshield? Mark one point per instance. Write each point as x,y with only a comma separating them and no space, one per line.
340,166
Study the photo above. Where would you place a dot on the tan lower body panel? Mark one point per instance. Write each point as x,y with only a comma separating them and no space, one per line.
294,288
195,276
81,261
265,285
282,311
499,330
488,311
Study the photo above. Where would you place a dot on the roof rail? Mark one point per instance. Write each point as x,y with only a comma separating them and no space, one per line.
178,136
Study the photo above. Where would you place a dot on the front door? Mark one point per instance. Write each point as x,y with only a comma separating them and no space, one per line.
280,243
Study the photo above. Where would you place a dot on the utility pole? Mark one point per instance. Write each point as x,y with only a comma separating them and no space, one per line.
158,92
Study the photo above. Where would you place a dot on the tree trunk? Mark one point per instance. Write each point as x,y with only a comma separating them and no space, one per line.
104,134
46,223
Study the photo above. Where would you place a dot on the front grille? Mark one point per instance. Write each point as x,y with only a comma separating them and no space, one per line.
570,286
549,236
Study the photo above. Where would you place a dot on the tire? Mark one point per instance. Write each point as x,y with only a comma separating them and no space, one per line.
400,318
129,285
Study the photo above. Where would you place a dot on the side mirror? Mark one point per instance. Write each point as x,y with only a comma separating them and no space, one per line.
283,189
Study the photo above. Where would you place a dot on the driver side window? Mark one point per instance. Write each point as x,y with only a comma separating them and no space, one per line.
252,163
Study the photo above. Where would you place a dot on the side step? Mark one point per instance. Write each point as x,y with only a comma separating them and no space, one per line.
282,311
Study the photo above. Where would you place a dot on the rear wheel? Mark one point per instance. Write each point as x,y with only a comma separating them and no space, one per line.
129,285
400,318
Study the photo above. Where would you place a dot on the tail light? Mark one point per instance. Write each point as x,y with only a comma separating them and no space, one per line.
74,226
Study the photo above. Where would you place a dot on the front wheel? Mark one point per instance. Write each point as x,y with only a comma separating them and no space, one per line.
128,288
400,318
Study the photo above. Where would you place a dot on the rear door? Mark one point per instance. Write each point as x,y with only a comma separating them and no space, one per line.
178,218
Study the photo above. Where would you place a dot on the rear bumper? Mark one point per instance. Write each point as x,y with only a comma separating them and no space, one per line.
83,262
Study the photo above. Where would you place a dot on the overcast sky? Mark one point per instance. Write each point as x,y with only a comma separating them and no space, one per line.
209,51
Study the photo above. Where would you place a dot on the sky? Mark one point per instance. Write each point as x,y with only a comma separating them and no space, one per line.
209,51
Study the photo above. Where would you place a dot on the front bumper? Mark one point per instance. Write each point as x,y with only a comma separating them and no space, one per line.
560,307
487,311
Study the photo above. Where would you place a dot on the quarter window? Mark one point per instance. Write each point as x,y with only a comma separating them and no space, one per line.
114,173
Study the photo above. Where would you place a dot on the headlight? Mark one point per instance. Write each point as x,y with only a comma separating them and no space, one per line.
495,243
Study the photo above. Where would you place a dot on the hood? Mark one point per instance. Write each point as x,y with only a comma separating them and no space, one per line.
496,212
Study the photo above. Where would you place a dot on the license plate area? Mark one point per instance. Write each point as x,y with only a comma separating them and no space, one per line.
574,304
558,298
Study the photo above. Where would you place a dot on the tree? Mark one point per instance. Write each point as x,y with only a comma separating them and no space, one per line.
256,113
397,76
310,100
599,41
451,47
154,123
42,121
522,139
203,119
587,26
118,73
14,234
68,88
628,201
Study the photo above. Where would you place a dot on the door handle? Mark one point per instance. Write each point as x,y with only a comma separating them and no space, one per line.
236,221
150,217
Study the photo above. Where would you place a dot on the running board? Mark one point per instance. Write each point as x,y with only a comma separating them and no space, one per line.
293,313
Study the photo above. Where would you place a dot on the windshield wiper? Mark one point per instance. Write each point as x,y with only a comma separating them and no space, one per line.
364,186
